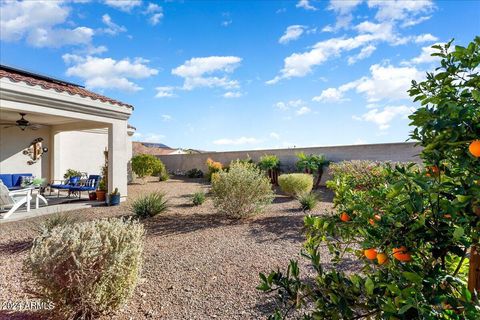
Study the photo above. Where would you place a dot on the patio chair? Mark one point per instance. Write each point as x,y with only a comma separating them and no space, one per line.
91,184
64,185
14,199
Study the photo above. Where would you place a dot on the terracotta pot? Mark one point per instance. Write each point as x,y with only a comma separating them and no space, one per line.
100,195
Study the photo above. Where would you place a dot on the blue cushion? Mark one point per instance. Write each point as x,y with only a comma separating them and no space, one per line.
82,188
7,180
60,186
73,180
17,178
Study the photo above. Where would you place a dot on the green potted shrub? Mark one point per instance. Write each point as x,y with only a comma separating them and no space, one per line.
114,198
101,191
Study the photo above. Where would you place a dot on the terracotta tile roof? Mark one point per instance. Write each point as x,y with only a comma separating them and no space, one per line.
32,79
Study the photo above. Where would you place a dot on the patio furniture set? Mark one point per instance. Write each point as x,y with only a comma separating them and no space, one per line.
17,190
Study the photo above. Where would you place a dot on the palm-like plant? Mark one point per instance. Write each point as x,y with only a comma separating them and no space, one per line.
312,164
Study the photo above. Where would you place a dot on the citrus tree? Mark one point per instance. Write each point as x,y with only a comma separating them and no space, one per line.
413,234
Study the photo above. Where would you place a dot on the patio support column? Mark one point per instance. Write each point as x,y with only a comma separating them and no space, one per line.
54,151
117,157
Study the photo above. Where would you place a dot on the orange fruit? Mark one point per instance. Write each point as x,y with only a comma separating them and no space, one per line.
371,253
376,217
345,217
402,254
432,171
382,258
474,148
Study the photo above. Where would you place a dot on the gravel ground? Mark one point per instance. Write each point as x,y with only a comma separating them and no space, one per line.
198,264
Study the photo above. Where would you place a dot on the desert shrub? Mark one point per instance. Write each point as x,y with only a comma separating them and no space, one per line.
146,165
87,269
159,170
411,232
194,173
57,220
295,184
72,173
149,205
308,201
242,191
198,198
213,167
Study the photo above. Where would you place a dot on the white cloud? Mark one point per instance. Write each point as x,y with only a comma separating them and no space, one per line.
303,110
330,95
305,4
298,106
364,53
165,92
124,5
412,22
301,64
237,141
39,23
200,72
382,118
155,12
426,37
291,33
425,56
107,73
386,82
232,94
148,137
343,9
401,10
274,135
112,28
166,117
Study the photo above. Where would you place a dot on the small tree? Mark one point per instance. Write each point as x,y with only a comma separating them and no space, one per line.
145,165
415,229
312,164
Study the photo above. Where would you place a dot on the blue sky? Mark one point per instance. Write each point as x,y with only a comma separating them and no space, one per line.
239,75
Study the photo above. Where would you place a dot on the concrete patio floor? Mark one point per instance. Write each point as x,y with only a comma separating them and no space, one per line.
55,205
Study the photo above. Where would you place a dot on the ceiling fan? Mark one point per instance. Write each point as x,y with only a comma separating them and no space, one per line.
22,123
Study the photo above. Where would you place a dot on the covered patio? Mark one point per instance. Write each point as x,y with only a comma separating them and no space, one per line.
68,127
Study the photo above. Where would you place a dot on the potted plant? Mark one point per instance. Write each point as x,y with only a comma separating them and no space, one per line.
114,198
101,191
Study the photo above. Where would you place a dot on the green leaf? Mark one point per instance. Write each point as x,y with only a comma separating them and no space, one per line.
476,95
458,233
413,277
369,285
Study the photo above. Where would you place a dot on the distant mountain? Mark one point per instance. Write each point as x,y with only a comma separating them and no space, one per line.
155,145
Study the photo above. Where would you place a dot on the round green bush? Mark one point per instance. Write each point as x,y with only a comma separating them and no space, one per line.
86,269
295,184
242,191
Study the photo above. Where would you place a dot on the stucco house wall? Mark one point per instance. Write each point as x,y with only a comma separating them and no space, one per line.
13,142
83,150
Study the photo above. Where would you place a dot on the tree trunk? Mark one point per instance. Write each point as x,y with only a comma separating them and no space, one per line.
320,174
474,271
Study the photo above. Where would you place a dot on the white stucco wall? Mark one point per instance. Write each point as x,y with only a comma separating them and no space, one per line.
79,150
12,143
82,150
